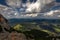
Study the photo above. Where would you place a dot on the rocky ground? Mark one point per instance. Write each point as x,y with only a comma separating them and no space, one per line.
12,36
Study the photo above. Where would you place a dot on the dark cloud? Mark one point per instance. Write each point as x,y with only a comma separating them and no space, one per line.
3,2
24,1
57,0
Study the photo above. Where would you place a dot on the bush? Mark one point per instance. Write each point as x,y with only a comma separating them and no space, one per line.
36,34
19,28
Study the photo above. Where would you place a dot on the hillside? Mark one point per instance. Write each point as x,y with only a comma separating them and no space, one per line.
52,25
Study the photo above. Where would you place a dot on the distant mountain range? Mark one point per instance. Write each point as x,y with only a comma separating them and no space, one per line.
49,25
17,21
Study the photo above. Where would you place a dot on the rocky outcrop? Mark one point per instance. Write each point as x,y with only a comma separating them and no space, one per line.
12,36
4,23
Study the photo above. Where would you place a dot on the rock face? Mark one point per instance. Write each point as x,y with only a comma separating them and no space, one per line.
12,36
4,23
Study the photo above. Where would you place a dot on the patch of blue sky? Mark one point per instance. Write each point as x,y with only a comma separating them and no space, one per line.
55,7
57,0
24,1
3,2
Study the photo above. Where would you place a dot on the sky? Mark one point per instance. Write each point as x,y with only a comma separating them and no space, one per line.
4,3
58,0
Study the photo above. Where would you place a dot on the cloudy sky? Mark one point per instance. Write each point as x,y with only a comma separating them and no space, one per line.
32,7
3,2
